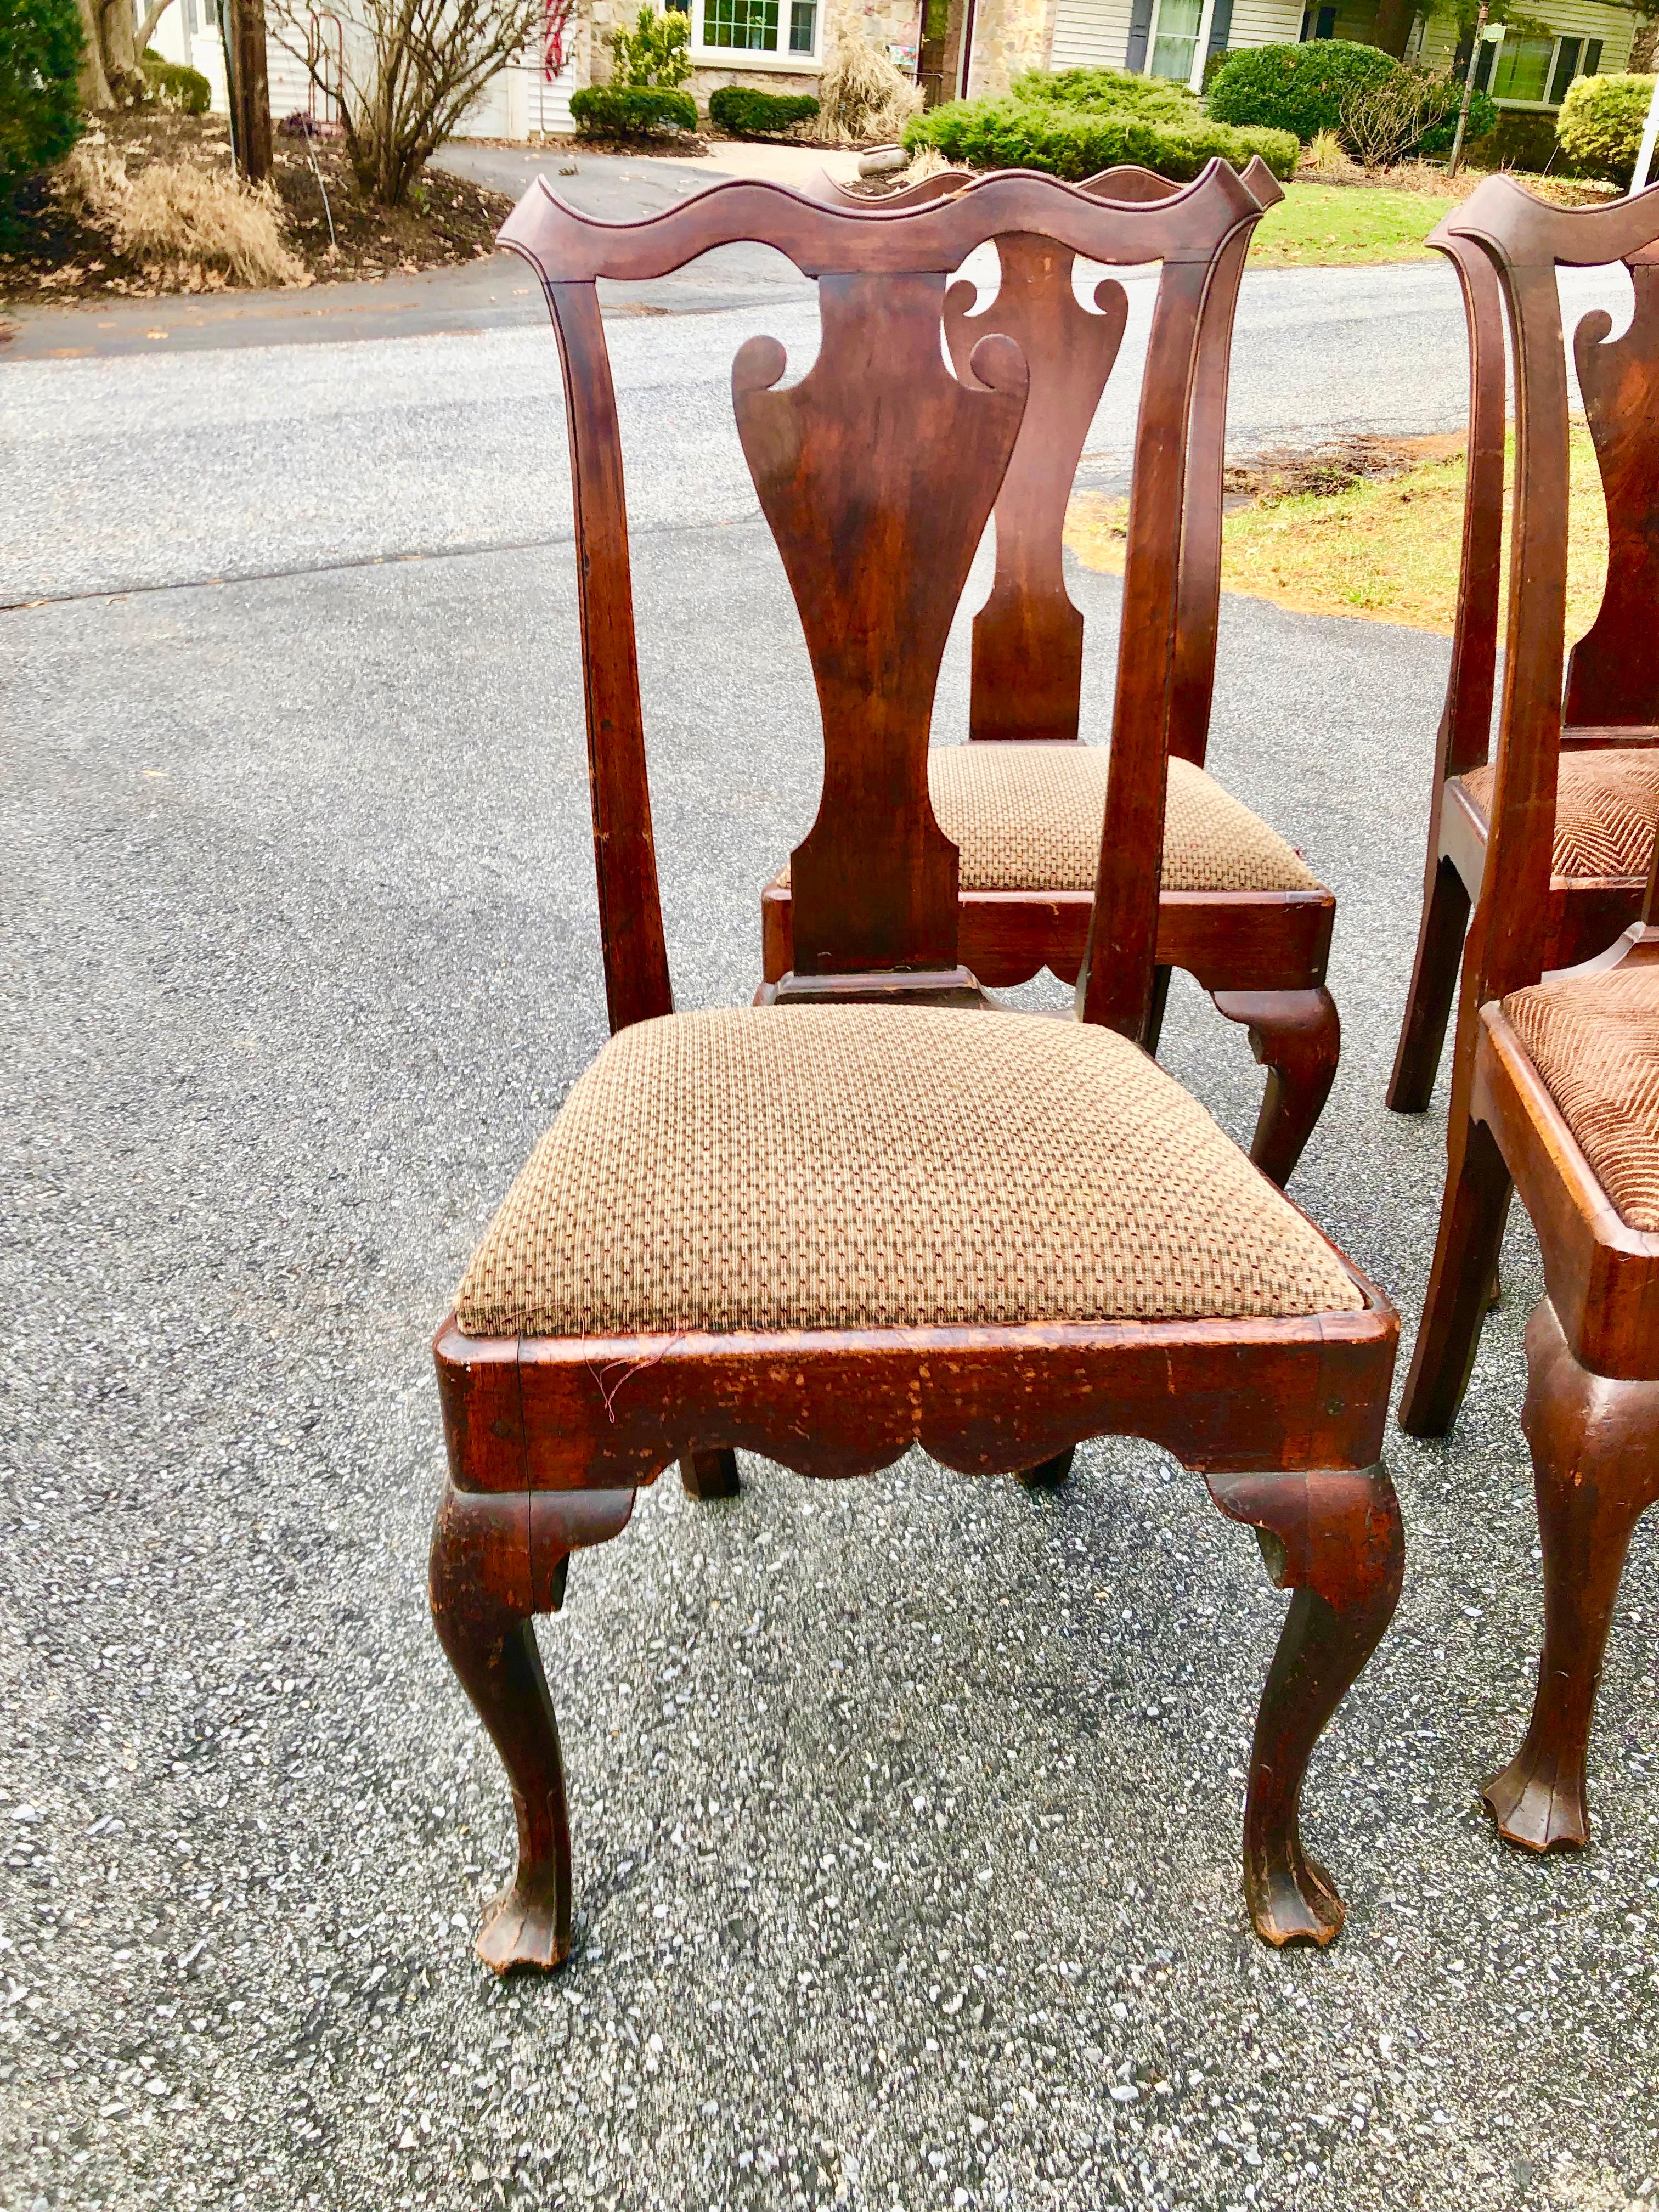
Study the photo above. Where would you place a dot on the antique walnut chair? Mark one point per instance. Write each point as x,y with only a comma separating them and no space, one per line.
1555,1077
1239,909
1607,792
878,1212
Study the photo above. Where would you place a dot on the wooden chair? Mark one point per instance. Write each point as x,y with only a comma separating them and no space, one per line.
1607,796
877,1212
1555,1081
1239,909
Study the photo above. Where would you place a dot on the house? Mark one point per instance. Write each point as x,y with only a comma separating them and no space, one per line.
958,49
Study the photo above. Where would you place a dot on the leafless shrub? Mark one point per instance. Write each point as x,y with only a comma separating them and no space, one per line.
417,68
1382,120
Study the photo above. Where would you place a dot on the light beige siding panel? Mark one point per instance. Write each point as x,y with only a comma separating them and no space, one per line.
1091,34
1265,23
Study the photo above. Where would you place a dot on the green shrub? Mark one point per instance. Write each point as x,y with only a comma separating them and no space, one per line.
1297,89
656,52
747,114
41,45
1436,142
171,85
1107,92
1074,143
1599,125
1515,141
631,110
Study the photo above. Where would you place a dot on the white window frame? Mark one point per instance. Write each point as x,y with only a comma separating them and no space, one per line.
749,60
1547,105
1201,45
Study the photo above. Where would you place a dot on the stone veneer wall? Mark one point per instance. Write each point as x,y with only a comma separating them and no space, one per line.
1010,36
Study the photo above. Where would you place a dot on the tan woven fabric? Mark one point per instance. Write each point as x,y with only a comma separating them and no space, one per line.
842,1167
1606,806
1028,816
1594,1039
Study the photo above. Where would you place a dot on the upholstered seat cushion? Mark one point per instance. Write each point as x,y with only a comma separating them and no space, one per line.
1606,806
1028,816
852,1167
1594,1039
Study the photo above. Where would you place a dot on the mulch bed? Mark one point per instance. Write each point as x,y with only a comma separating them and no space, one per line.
54,256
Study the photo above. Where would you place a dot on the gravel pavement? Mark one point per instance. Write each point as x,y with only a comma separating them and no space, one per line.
906,1811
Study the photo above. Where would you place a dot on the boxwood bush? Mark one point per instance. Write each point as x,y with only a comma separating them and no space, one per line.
171,85
1599,125
1297,89
1074,143
1301,89
747,114
631,110
40,43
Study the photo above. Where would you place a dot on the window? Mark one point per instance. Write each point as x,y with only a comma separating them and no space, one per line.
1522,70
786,28
1175,38
1535,72
1319,23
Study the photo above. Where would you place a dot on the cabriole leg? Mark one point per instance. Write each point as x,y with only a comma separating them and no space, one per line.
498,1559
1434,984
1336,1540
1461,1284
1296,1036
1595,1469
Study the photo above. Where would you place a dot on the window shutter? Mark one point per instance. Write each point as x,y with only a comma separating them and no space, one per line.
1463,56
1221,23
1483,63
1592,57
1140,24
1566,68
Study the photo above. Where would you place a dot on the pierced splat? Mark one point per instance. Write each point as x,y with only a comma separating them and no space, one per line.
1612,675
1027,637
877,473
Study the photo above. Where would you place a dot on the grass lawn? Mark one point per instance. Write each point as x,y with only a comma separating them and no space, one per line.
1381,551
1337,227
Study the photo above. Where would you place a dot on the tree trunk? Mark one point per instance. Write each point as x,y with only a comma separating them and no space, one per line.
1393,26
251,95
96,94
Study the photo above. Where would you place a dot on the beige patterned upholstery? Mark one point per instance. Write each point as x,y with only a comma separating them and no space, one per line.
852,1167
1594,1039
1606,806
1028,816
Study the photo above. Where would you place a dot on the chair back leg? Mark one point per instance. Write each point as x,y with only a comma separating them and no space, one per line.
1472,1217
1434,984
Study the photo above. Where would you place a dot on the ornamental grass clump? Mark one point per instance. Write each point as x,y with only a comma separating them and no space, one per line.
862,97
197,222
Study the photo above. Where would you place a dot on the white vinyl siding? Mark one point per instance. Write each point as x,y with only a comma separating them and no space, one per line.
1264,23
1091,34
